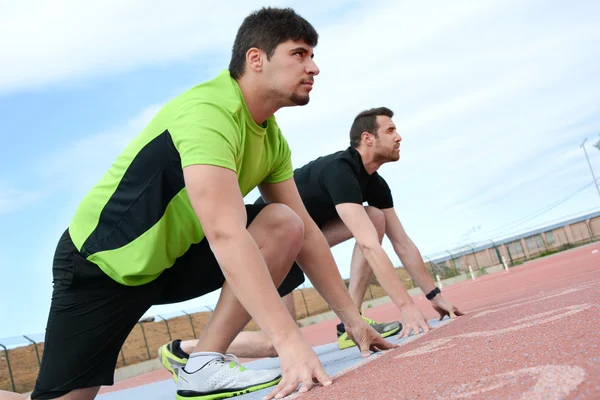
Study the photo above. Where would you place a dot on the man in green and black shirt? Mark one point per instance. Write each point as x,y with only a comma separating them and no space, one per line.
167,223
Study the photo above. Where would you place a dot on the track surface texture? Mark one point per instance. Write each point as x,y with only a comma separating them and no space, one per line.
529,333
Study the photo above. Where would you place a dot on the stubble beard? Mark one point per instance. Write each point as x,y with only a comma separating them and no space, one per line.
386,156
299,100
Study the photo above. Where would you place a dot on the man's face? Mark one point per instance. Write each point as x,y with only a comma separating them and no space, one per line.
387,142
289,74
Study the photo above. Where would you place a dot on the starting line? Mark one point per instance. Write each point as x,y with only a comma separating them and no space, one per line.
336,362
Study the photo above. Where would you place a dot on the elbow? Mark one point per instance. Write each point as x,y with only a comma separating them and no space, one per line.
219,234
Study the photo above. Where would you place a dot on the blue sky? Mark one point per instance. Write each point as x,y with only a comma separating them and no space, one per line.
493,100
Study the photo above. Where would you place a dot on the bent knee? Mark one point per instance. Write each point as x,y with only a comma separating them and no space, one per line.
377,218
284,220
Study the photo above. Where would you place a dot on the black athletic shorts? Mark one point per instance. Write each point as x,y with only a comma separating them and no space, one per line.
91,315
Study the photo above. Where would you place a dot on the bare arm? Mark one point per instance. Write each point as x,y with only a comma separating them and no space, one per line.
407,251
412,260
315,256
218,203
356,219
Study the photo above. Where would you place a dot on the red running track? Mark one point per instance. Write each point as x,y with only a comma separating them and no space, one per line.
529,333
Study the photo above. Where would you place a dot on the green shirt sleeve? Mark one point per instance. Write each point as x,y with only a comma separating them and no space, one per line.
205,134
282,168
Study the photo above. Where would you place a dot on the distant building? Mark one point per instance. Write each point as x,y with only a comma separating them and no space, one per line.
551,238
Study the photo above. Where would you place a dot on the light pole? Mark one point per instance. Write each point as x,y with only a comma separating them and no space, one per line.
591,170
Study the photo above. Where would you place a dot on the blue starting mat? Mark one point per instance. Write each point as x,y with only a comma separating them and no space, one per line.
334,361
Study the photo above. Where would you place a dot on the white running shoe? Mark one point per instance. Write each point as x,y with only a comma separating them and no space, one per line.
221,378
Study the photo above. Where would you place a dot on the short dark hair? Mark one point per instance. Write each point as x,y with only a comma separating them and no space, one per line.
366,121
265,29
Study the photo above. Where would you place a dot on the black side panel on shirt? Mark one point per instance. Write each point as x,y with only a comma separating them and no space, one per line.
153,178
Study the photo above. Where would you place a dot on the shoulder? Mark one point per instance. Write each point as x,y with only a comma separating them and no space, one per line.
379,184
276,140
218,98
343,162
379,179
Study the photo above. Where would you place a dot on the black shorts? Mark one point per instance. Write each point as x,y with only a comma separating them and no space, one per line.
91,315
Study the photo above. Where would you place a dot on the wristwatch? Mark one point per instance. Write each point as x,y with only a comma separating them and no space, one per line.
433,293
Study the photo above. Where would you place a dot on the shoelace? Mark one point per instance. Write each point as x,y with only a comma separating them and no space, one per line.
233,361
369,321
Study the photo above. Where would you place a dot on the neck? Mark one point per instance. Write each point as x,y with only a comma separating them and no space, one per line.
368,159
258,102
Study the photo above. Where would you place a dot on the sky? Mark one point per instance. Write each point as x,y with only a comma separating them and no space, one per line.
492,99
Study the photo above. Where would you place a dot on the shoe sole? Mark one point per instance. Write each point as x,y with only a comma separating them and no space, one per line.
164,360
346,344
229,394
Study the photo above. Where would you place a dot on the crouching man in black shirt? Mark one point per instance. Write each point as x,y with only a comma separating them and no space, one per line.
334,188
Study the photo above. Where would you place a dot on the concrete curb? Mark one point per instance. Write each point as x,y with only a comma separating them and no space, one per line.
143,367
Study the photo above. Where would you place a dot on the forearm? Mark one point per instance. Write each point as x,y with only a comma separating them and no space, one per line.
413,263
319,265
386,275
246,273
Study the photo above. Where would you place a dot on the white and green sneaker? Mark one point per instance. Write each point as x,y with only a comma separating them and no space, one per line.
385,329
172,357
221,378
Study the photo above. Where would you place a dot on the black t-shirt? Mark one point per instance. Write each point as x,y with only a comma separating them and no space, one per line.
339,178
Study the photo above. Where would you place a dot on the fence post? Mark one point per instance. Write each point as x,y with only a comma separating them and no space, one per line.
305,304
191,323
509,256
12,379
566,236
497,251
123,357
167,325
145,340
474,256
452,261
472,274
370,291
587,223
543,236
37,353
430,266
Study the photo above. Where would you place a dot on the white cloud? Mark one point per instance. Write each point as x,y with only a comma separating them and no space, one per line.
493,100
12,198
478,105
65,39
479,88
77,162
485,93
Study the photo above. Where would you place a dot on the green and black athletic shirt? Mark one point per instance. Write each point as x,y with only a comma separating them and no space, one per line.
137,220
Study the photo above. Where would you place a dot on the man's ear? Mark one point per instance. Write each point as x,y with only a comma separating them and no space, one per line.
255,59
